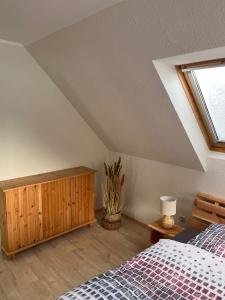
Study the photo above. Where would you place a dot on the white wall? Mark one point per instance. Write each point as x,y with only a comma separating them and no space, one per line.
104,67
147,180
40,130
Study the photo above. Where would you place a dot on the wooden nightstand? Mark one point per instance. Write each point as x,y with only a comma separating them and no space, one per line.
157,231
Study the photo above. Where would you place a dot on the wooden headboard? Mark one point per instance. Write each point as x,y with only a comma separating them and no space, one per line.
207,210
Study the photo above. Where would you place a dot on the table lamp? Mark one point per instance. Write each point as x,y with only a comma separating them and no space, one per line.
168,210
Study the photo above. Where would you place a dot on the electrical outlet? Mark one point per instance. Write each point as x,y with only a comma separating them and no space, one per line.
182,219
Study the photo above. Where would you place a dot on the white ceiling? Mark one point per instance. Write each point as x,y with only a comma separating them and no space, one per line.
104,67
26,21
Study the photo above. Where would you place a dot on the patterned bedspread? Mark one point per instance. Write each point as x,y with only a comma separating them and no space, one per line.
168,270
212,239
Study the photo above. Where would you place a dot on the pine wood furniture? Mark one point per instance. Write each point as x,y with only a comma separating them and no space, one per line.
157,231
38,208
207,210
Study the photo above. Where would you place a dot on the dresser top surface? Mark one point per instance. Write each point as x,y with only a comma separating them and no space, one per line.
44,177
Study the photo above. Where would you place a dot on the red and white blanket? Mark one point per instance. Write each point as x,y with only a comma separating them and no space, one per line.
168,270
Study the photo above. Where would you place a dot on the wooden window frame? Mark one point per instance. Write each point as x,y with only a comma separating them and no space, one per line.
219,147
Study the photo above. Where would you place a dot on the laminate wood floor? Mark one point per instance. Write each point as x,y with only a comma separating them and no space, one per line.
51,269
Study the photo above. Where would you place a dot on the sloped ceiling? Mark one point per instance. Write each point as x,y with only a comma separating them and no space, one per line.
104,67
26,21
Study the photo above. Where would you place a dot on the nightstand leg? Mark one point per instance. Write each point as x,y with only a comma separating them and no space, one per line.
154,236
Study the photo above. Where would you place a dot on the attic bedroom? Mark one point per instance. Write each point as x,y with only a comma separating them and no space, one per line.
112,165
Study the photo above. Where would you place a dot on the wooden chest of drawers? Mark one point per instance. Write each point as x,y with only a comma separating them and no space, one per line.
41,207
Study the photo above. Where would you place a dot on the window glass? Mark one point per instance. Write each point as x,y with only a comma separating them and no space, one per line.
212,86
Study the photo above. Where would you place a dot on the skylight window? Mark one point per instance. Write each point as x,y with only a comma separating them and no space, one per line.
204,84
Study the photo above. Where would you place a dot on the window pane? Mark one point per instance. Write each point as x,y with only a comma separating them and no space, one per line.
212,84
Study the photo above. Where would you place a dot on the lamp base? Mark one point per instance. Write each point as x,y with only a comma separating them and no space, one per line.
168,222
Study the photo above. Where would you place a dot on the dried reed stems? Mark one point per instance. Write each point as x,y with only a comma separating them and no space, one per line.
112,188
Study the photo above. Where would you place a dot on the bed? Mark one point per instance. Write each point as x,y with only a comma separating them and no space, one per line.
192,266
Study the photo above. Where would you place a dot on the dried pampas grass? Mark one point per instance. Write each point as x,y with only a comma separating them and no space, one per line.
112,188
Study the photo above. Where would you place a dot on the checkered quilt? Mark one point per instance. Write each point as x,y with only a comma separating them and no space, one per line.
212,239
168,270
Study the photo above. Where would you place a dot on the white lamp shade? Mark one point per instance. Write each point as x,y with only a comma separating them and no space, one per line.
168,205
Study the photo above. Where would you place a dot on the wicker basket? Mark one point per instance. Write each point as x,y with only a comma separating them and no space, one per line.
111,222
